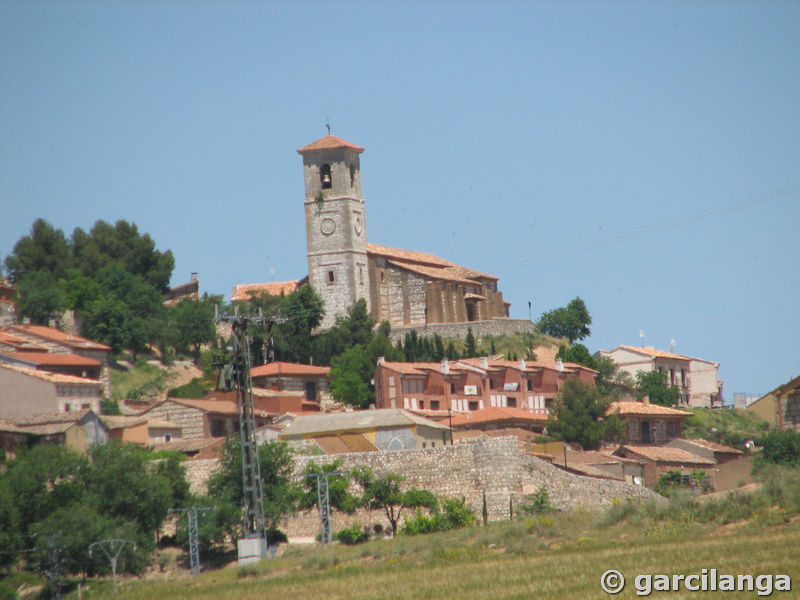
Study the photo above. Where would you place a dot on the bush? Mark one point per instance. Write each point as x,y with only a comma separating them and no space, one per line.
540,503
454,514
7,592
354,534
782,447
196,388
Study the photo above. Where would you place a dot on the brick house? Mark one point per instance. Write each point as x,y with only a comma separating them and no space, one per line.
733,467
697,379
57,342
470,385
649,423
25,392
285,376
781,407
201,418
657,460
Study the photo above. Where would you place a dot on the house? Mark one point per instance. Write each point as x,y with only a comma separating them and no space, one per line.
697,379
781,407
25,392
141,430
733,467
365,431
13,343
201,418
58,342
657,460
186,291
78,430
499,419
470,385
649,423
246,291
593,463
13,437
405,288
269,401
285,376
8,314
68,364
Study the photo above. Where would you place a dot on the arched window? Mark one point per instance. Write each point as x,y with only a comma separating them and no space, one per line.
325,177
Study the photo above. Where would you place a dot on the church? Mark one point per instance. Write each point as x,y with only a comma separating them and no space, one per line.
404,287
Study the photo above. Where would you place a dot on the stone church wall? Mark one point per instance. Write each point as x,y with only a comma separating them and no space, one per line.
492,327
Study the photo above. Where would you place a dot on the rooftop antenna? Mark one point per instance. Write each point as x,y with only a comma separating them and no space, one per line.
672,346
641,336
328,124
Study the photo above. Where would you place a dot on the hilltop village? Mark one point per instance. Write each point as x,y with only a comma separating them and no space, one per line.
392,359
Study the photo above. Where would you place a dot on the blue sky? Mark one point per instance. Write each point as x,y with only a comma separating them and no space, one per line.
640,155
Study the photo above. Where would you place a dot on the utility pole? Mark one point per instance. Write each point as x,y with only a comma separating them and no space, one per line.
53,570
108,548
236,366
324,503
194,535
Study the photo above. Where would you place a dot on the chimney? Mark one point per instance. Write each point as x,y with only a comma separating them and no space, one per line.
445,366
484,362
645,399
559,365
521,364
381,359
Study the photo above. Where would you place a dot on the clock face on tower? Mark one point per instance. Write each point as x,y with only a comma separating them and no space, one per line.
358,226
328,226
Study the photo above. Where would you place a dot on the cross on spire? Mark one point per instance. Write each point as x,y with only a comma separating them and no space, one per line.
328,125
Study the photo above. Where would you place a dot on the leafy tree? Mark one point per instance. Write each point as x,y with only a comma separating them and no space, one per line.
782,447
384,493
579,412
355,327
338,487
195,323
45,249
304,310
577,353
40,298
10,529
654,385
281,492
571,322
349,377
471,348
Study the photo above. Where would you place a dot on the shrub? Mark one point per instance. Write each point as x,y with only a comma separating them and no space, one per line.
354,534
454,514
7,592
539,502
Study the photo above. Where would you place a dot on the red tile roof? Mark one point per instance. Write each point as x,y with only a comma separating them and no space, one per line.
246,291
329,142
640,408
19,343
667,454
650,351
56,335
287,368
443,269
496,414
54,359
51,377
713,446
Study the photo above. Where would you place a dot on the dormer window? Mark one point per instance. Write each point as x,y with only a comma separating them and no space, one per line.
325,177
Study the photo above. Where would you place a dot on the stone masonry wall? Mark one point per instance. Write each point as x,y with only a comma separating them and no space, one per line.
495,466
491,327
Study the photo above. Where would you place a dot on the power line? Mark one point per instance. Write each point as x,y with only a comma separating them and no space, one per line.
639,231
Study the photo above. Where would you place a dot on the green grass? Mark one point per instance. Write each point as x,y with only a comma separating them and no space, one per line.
724,425
555,556
143,380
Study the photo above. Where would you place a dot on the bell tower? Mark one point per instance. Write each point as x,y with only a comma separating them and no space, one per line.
336,224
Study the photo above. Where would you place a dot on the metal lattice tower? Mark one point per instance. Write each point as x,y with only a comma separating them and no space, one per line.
238,369
324,503
194,535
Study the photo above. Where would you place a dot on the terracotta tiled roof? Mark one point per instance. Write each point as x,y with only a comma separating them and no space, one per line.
56,335
51,377
713,446
667,454
650,351
210,406
329,142
354,421
190,445
496,414
122,421
443,269
162,424
445,274
9,427
62,417
287,368
640,408
246,291
19,343
54,359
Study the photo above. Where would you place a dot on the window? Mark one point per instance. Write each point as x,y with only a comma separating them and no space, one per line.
491,384
325,177
66,407
311,390
511,402
452,388
217,428
473,405
672,430
167,437
530,384
352,174
331,277
434,405
422,404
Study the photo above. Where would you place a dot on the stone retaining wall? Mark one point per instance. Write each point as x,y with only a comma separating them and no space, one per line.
495,466
493,327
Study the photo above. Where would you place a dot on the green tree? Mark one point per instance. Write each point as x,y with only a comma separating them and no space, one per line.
40,298
194,321
338,487
654,385
349,377
10,526
471,347
577,353
384,492
571,322
45,249
579,412
281,492
782,447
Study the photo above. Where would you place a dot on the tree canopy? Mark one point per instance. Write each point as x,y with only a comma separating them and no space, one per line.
580,416
571,322
654,385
